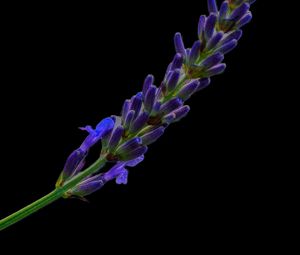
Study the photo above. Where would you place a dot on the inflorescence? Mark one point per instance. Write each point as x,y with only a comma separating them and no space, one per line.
145,117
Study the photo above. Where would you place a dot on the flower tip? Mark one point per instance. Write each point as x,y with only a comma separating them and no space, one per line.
135,162
204,82
149,80
244,20
179,45
227,47
105,125
212,6
217,69
178,35
212,16
201,25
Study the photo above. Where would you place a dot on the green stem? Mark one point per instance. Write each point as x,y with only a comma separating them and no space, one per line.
51,197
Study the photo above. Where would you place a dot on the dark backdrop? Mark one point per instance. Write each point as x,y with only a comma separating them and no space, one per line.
68,66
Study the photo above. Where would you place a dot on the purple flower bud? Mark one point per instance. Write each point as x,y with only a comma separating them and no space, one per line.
227,47
177,62
173,79
88,187
214,40
147,83
179,45
217,69
136,103
129,118
204,82
156,108
223,11
234,35
152,136
125,109
195,52
212,6
201,25
177,115
210,26
212,60
130,145
115,138
79,167
244,20
239,12
139,123
171,105
149,99
73,162
181,112
188,90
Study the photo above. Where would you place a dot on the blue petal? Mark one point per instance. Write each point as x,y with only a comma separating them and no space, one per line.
122,178
88,129
115,171
105,126
135,161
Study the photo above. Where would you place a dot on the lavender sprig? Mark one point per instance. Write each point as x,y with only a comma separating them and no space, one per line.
145,117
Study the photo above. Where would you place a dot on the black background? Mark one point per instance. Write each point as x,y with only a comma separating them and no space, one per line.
69,66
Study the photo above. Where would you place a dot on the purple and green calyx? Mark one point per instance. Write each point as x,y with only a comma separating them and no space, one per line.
146,116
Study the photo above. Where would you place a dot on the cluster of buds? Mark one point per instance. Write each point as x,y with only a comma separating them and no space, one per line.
144,117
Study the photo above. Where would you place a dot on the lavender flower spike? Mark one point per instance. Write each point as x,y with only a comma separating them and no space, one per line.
147,115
